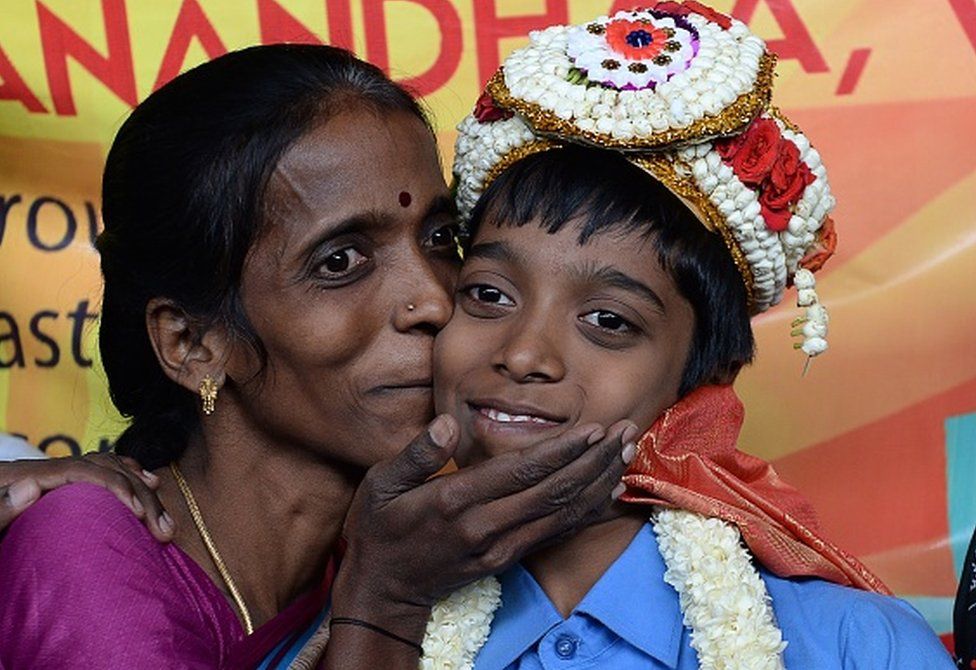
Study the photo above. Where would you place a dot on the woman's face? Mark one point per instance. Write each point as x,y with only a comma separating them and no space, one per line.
347,287
548,334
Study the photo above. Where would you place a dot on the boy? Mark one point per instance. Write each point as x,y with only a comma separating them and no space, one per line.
617,250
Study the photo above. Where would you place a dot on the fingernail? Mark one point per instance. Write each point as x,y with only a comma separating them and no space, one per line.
630,450
618,491
21,494
137,506
166,523
595,436
440,431
630,432
150,476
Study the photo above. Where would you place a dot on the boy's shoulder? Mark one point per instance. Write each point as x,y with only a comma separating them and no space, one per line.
817,616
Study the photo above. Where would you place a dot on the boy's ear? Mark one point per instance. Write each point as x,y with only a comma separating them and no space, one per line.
185,352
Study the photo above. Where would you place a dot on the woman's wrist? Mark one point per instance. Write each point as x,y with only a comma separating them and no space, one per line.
358,595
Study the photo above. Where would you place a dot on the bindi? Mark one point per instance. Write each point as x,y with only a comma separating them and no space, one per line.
405,198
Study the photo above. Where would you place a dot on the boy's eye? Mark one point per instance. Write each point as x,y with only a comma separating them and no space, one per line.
341,261
607,321
489,294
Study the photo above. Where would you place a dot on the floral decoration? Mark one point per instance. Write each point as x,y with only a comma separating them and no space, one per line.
723,598
459,625
633,50
683,8
486,111
761,157
764,186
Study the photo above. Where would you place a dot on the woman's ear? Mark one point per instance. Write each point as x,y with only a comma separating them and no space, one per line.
186,353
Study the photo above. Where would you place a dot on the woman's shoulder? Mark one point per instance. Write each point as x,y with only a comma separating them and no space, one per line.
72,521
78,567
822,621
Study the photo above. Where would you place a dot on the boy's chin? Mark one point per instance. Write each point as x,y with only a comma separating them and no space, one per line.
472,451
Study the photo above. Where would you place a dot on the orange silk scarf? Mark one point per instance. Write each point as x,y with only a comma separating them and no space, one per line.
688,459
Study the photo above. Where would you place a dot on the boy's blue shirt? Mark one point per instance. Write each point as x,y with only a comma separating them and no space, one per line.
631,619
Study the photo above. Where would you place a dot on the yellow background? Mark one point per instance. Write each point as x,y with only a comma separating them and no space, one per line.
863,434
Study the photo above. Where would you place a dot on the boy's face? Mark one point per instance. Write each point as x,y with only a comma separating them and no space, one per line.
548,334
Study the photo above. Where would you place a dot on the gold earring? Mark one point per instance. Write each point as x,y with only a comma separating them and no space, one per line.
208,394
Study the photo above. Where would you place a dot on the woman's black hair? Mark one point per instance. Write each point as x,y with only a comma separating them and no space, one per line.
598,191
183,201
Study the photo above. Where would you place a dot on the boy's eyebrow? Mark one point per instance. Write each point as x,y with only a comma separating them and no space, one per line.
617,279
494,251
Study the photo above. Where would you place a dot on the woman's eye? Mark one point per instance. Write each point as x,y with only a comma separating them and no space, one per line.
342,261
608,321
489,295
444,236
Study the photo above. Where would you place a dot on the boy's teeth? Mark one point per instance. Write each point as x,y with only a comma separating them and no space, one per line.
503,417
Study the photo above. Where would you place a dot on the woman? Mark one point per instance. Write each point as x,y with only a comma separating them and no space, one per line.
279,241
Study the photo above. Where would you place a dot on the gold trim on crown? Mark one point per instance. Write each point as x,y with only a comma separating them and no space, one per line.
732,119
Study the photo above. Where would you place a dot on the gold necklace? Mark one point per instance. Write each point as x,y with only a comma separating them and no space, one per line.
208,542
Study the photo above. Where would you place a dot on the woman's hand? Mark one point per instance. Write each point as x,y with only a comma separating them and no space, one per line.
412,539
23,482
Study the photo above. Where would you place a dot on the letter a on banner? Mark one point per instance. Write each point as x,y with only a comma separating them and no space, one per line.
191,23
60,42
13,87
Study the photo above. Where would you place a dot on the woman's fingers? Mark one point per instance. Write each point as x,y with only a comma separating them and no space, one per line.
139,485
429,452
125,480
568,494
15,498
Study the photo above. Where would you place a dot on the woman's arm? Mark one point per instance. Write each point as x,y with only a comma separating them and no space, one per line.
23,482
412,539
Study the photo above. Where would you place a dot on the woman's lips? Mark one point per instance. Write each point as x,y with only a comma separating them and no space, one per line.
415,385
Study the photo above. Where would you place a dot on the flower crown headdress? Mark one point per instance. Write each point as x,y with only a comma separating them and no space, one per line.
683,92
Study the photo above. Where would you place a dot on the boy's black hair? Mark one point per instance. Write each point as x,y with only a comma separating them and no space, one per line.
599,190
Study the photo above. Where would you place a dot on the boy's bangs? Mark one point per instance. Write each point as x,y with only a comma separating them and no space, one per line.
594,190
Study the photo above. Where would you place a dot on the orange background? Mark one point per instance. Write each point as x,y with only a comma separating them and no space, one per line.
881,433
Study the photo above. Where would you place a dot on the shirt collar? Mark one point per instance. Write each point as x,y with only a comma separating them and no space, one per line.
631,587
525,615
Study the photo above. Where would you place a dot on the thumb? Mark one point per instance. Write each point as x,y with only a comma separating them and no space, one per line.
17,497
423,457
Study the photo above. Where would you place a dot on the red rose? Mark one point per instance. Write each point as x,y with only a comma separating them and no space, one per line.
685,8
486,111
753,160
727,147
715,17
787,179
673,8
824,249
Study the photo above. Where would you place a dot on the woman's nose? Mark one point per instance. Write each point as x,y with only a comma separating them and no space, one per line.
530,355
425,302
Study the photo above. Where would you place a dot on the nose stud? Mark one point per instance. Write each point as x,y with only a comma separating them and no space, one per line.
411,307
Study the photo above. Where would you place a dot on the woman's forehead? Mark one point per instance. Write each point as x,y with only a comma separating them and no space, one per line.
360,162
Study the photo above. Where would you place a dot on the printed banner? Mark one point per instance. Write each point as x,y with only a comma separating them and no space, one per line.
881,433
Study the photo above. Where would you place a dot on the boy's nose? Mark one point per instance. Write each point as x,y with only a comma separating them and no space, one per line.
530,356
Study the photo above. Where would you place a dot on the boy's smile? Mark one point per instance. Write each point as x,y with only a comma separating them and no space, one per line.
548,334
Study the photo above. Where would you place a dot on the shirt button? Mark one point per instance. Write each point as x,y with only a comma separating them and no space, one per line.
566,646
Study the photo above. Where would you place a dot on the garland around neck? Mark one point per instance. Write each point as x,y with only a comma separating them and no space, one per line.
722,596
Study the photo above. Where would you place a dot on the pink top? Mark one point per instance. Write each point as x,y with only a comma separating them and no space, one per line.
83,584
